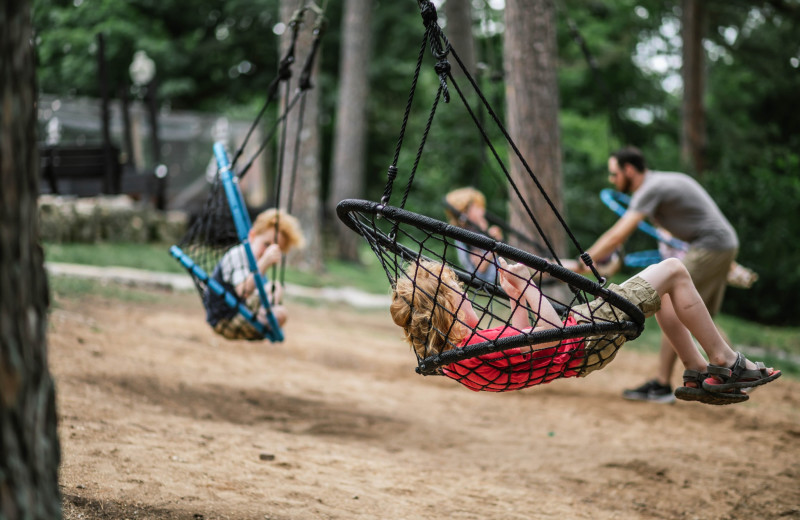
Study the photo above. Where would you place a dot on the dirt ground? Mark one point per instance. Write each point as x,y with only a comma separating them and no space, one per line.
161,419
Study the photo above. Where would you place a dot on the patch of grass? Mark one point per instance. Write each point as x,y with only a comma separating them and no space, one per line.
743,332
367,276
152,257
70,287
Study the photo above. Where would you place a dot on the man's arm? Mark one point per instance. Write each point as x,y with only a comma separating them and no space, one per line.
615,236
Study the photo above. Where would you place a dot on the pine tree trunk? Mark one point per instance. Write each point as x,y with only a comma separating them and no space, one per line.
300,187
459,31
29,448
532,114
349,152
693,129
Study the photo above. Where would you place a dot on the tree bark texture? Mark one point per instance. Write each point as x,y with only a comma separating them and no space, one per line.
458,14
302,163
693,124
349,149
530,58
29,448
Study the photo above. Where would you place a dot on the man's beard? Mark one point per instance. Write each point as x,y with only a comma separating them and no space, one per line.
626,186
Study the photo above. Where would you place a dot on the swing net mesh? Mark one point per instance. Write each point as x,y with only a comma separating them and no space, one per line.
420,257
213,234
447,294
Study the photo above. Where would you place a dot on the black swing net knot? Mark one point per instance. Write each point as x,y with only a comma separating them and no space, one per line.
216,249
526,325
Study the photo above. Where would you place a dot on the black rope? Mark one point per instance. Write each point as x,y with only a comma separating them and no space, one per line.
283,75
392,170
441,48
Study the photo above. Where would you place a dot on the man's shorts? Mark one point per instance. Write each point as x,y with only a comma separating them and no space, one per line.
709,272
600,350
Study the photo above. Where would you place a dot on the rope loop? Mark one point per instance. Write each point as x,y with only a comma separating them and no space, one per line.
442,68
391,174
586,258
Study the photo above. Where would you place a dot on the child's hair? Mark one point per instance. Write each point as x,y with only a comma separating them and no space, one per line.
288,226
430,326
460,200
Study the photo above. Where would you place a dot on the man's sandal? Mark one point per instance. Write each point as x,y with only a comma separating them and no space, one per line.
737,376
698,393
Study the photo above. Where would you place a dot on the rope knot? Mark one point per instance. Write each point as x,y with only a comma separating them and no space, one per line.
285,69
428,11
442,67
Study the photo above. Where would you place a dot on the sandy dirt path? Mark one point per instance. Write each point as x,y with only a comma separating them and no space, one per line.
161,419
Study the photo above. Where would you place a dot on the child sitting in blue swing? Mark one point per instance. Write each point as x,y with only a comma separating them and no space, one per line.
274,233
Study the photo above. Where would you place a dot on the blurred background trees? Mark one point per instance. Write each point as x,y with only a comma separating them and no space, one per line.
619,77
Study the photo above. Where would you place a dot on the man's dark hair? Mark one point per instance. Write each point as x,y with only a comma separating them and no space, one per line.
630,155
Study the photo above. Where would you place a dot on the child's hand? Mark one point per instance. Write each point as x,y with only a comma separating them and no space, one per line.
271,256
495,232
513,278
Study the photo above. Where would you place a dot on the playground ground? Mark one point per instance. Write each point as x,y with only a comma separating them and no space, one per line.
161,419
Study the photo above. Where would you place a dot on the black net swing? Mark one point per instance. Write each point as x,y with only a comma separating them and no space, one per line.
216,249
461,325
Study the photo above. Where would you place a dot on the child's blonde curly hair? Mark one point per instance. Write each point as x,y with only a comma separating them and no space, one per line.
288,226
460,200
426,303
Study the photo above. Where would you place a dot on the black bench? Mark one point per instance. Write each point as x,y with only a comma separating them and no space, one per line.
80,170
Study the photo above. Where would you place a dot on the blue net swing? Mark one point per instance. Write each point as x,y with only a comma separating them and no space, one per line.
220,230
411,246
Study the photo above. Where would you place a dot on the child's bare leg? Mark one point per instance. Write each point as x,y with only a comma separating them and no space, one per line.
677,337
671,278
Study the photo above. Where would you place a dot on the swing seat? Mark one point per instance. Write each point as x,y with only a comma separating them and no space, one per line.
215,293
399,237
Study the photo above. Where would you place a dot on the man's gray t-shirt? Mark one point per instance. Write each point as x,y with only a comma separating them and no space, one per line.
678,203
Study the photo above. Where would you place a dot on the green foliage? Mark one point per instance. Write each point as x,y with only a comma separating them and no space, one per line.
753,80
207,54
754,137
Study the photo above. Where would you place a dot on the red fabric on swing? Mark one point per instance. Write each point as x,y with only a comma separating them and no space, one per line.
512,369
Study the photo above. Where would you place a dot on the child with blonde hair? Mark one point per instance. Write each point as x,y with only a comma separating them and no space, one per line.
436,315
274,233
466,208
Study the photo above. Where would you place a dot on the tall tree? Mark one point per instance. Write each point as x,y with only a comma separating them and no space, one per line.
532,112
29,449
693,124
349,149
302,164
459,31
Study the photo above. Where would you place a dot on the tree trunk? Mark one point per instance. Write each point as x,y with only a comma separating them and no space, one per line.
29,449
302,164
349,149
693,128
532,114
459,31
